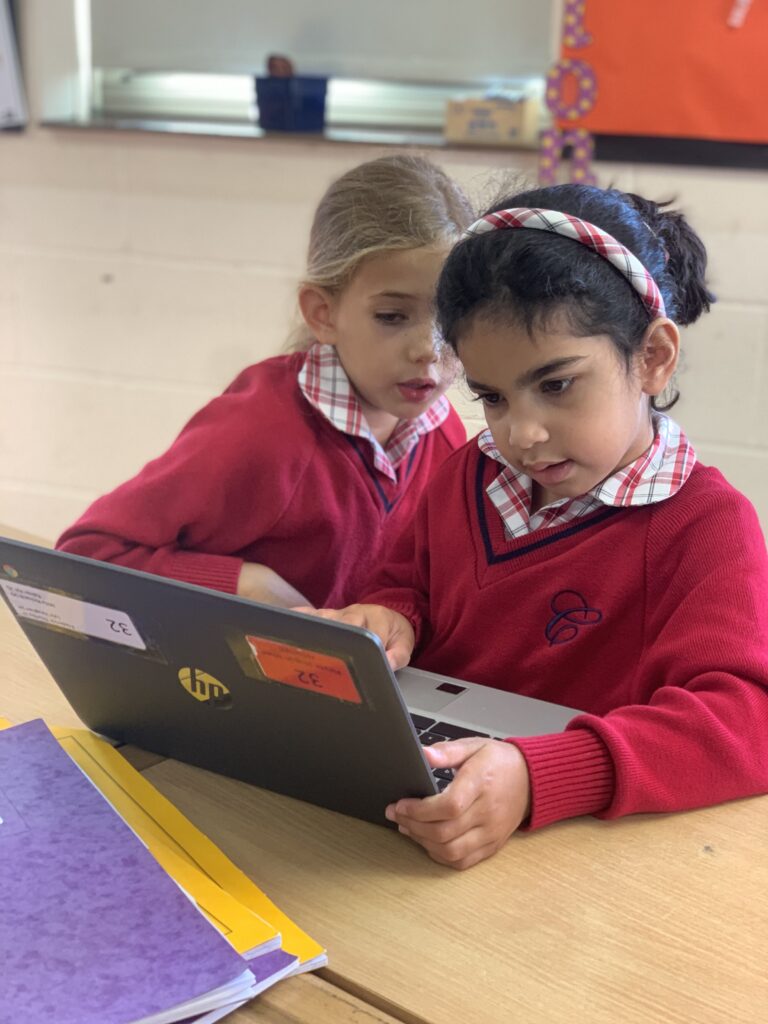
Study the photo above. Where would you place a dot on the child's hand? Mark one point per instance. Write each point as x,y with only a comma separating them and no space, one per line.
260,583
486,801
392,628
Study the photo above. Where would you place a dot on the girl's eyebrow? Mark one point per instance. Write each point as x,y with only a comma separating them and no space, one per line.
538,372
530,376
475,385
393,295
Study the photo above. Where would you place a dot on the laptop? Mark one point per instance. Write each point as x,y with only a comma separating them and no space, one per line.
291,702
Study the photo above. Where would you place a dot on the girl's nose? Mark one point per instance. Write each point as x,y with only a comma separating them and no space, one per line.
425,344
525,433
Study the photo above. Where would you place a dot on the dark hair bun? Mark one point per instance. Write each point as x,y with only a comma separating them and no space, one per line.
686,257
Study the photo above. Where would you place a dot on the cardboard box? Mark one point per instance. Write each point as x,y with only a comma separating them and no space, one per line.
492,122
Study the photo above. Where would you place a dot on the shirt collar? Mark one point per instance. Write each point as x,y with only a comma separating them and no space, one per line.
326,386
654,476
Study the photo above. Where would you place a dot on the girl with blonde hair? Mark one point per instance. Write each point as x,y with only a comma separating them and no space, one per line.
288,487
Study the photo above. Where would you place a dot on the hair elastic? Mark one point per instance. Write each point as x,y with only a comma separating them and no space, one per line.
582,231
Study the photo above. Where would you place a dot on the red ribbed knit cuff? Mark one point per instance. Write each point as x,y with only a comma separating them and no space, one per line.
571,774
410,613
409,610
219,572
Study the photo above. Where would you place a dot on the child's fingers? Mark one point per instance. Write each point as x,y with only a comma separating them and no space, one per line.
399,652
321,613
475,843
394,630
443,831
460,843
356,615
449,805
442,848
477,812
351,614
453,753
467,858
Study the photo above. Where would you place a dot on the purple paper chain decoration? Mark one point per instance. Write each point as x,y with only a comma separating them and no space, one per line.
550,155
574,34
586,91
554,139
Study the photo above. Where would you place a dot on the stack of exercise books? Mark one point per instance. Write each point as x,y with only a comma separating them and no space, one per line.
114,908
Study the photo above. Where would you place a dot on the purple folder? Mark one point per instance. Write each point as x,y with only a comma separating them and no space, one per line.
92,930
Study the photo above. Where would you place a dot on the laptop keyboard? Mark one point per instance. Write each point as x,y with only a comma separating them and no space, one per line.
430,731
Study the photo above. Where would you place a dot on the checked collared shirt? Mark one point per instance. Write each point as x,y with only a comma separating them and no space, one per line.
326,386
654,476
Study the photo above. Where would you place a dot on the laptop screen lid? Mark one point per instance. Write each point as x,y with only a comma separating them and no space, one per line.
295,703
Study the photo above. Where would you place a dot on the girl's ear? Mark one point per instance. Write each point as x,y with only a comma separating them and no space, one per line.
658,356
318,308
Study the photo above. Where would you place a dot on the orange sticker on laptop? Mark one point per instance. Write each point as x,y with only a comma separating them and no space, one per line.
307,670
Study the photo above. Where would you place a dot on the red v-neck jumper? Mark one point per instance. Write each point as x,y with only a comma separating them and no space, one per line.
259,475
653,620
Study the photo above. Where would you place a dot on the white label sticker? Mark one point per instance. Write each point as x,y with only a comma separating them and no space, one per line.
67,612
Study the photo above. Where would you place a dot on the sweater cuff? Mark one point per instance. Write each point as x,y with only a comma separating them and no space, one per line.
218,572
408,609
571,774
410,613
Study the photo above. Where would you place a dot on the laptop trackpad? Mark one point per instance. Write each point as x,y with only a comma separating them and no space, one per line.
426,691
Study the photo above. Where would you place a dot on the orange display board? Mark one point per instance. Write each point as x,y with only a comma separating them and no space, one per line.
669,68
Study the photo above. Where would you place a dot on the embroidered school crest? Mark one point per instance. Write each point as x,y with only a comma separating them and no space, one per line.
571,612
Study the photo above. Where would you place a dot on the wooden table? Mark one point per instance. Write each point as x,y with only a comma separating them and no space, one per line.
653,919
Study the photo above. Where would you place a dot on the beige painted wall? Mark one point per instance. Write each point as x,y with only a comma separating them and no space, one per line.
139,273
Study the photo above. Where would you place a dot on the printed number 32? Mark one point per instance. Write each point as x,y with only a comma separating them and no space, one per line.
119,627
310,679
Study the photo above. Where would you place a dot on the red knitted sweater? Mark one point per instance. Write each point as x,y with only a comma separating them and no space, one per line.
653,620
259,475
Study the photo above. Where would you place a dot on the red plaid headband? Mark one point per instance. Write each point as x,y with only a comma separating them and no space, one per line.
594,238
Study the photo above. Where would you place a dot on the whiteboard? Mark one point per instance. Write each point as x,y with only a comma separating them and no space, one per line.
407,40
13,109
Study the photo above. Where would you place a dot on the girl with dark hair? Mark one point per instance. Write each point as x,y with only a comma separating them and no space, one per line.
576,551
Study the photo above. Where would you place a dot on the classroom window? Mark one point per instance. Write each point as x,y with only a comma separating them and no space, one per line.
389,65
